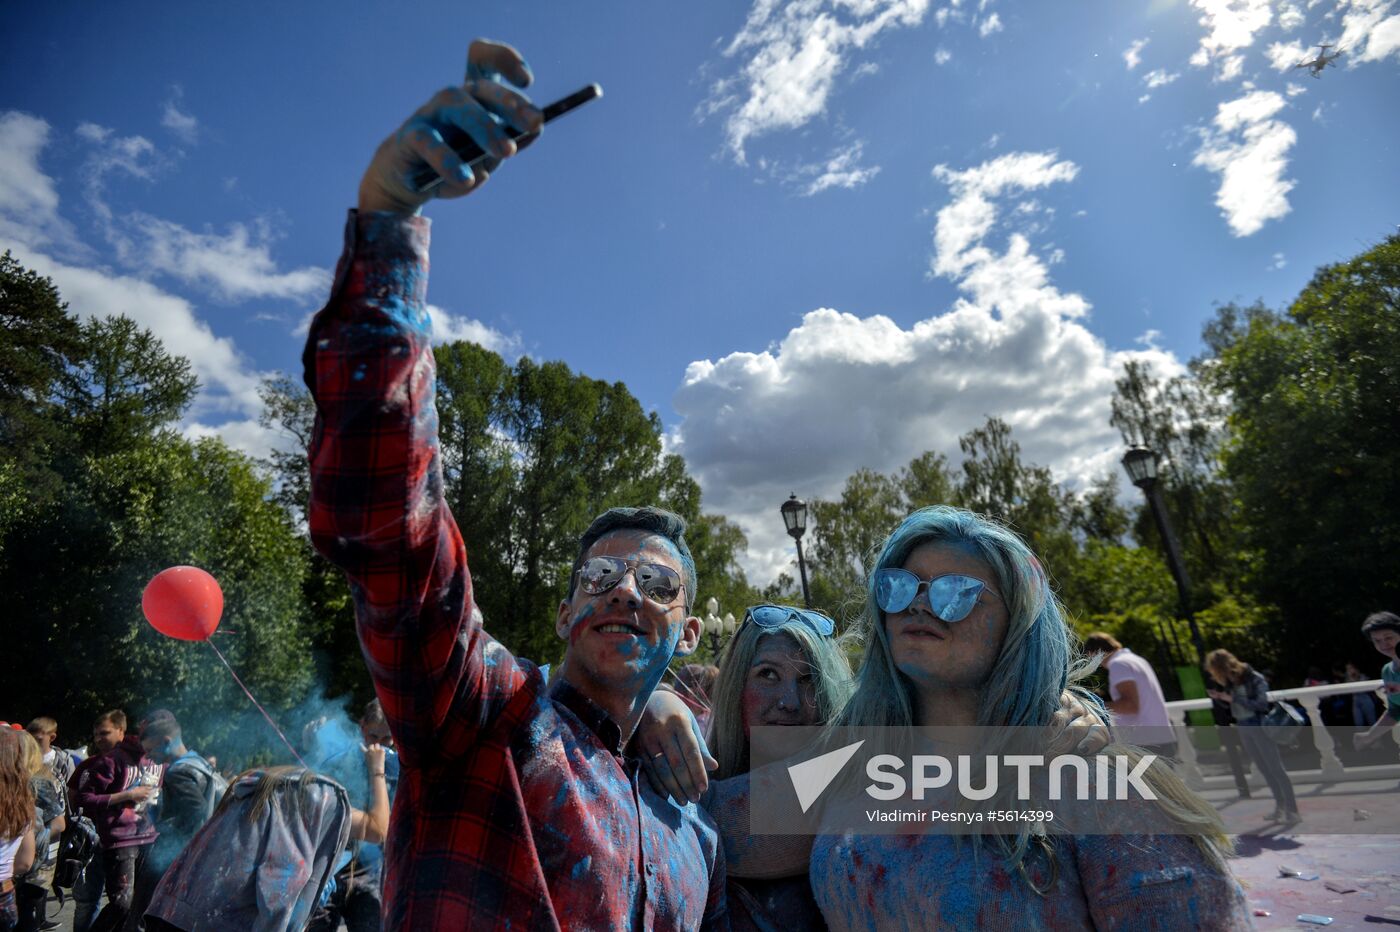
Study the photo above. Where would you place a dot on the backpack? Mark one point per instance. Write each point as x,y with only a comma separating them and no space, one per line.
76,847
214,784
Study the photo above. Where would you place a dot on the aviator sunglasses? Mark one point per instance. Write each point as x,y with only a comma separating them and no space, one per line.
951,597
775,616
599,574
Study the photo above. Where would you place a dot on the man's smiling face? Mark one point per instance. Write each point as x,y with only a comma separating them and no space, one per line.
624,638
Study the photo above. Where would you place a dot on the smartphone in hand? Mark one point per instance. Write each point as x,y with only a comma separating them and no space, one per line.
425,179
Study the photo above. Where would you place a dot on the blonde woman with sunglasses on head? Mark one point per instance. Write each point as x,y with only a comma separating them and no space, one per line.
782,667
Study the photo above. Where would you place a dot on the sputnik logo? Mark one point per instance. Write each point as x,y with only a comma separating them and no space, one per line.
811,777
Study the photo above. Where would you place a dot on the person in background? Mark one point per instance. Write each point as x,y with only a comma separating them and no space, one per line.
1248,694
116,792
1363,705
60,762
356,895
87,892
1383,631
16,823
31,887
1135,697
265,859
188,794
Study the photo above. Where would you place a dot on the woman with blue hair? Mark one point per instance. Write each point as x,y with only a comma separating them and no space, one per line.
960,628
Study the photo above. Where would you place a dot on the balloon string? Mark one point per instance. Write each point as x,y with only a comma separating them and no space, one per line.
258,704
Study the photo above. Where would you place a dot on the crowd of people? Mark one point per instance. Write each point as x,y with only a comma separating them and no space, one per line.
585,796
144,832
301,847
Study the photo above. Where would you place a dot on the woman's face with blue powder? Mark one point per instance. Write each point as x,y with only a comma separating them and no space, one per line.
941,654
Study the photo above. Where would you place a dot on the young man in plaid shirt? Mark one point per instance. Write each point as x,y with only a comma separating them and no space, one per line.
517,807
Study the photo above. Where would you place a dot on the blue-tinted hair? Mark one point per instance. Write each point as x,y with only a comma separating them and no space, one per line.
1033,665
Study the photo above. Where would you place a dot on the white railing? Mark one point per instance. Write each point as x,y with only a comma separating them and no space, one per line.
1310,697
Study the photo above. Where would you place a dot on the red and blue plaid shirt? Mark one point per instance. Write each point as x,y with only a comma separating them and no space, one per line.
516,807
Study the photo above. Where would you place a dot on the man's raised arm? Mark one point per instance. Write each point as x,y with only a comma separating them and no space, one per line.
377,508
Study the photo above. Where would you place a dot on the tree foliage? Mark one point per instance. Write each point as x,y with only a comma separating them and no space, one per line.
1314,450
532,452
41,341
105,496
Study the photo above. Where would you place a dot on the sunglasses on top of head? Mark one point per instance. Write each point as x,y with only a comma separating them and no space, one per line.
597,575
951,597
775,616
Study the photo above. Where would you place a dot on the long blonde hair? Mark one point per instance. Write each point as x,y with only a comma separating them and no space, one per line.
1223,665
268,782
33,757
16,795
831,673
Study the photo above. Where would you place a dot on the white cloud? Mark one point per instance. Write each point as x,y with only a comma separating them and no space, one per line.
228,383
1284,56
449,328
865,70
1229,67
1248,148
1293,90
28,198
942,56
1160,78
135,156
1132,55
246,435
1278,262
29,213
792,56
841,391
1370,31
1290,17
183,125
1231,26
842,170
989,25
232,266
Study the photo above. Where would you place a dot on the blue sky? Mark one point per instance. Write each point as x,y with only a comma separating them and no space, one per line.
813,236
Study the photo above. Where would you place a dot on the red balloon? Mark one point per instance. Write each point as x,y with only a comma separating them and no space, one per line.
183,602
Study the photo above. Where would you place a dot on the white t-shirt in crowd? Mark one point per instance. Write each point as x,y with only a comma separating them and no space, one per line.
1150,724
8,850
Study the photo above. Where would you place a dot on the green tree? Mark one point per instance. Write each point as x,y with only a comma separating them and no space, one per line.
124,387
531,453
137,498
846,535
1183,419
39,341
327,611
996,482
1314,451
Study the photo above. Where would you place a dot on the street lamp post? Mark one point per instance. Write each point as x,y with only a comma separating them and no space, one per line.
795,518
1141,464
717,629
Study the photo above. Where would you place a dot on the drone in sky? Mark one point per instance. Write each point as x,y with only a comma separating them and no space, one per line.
1322,60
